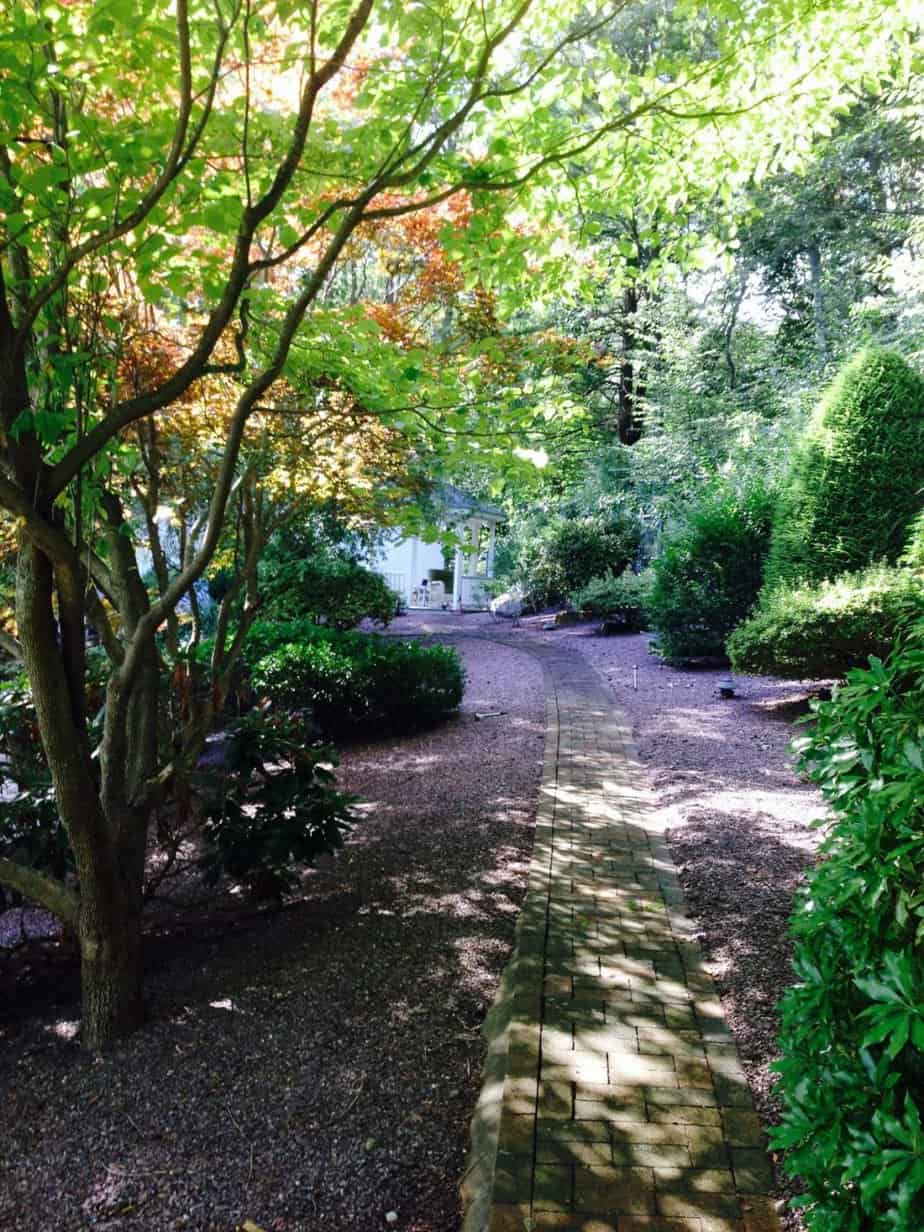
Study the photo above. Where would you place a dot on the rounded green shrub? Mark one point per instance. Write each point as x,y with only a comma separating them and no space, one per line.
361,682
852,1037
813,632
326,588
857,477
708,575
623,598
567,553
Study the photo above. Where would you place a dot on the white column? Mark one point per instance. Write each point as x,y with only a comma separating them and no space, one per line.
471,564
457,570
489,571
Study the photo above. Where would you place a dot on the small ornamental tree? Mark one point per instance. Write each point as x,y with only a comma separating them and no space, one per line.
199,169
857,479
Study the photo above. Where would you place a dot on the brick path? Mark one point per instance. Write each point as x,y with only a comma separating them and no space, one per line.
620,1104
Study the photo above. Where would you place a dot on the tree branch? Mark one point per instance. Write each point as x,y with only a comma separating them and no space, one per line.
171,168
39,888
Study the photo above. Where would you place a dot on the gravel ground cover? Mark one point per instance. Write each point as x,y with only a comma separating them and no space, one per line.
740,822
313,1068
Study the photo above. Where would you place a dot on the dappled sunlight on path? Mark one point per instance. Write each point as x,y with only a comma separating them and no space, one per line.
620,1104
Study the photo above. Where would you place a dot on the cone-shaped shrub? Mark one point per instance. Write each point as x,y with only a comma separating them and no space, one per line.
857,478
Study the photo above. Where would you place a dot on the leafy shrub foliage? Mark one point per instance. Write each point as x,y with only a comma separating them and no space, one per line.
272,808
823,630
913,555
623,598
566,553
356,681
267,635
852,1067
324,587
708,576
856,479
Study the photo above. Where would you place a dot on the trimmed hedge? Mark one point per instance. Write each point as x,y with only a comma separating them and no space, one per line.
708,576
623,598
852,1038
361,682
813,632
856,479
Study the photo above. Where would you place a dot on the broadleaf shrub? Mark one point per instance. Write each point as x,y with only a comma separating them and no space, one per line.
325,588
566,553
856,478
271,808
822,630
362,682
709,573
623,598
852,1037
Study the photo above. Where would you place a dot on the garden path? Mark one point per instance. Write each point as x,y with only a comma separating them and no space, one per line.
614,1099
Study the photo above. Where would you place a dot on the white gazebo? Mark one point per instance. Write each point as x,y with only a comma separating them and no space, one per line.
418,570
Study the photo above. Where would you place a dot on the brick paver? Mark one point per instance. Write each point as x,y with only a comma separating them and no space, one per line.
624,1107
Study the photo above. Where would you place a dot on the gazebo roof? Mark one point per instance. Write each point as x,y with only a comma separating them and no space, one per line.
455,500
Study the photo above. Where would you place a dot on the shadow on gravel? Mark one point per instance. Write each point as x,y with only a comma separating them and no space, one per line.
312,1068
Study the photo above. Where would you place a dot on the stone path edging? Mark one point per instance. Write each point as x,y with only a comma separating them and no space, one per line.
613,1098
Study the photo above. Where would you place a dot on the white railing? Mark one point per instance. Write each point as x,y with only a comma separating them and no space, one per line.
433,595
397,582
473,593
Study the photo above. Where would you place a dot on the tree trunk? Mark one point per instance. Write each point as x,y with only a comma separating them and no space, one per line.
111,970
631,388
108,845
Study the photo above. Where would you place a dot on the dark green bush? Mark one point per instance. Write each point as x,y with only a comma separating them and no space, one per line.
623,598
325,588
357,681
812,632
852,1039
708,575
857,477
566,554
271,808
266,635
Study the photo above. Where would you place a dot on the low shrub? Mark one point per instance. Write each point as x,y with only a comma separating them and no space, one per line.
566,553
623,598
812,632
363,682
271,808
852,1037
708,575
266,635
325,588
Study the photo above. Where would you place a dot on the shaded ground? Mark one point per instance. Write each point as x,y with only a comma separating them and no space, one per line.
314,1068
740,822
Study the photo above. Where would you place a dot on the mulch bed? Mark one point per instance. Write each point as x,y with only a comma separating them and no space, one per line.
311,1068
